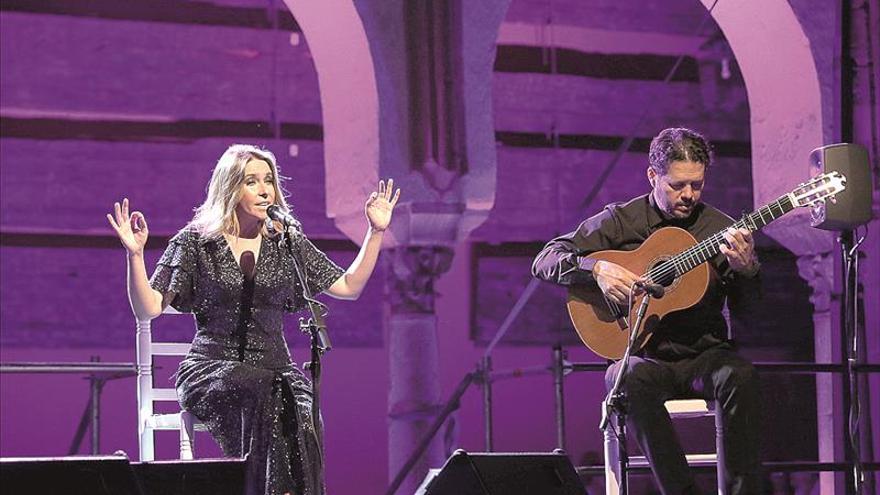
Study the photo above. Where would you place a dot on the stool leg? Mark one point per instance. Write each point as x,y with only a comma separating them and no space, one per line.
187,434
612,458
719,451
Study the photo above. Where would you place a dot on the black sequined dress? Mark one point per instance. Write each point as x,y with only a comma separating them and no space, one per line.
238,379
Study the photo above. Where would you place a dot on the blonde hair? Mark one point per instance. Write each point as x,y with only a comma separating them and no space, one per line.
217,214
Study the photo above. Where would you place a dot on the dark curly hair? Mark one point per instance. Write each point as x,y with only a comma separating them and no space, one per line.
679,144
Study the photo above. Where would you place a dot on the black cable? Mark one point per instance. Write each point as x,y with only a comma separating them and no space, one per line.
850,304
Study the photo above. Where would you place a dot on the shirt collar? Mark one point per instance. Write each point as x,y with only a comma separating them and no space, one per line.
655,218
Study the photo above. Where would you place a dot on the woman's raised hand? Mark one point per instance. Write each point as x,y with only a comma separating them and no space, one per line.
131,228
380,205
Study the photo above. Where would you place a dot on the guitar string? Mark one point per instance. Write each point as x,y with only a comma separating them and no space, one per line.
783,203
690,258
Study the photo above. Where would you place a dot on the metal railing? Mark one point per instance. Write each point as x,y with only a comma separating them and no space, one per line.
559,367
97,373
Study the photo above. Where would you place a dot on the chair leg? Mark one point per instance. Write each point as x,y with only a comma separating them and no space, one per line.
612,459
719,451
145,445
187,435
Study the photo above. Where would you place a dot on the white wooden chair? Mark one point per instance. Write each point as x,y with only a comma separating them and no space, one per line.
148,394
688,408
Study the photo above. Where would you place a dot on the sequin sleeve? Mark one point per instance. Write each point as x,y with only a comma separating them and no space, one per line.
175,270
321,270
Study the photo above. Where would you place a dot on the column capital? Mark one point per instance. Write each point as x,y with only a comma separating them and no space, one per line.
817,269
411,272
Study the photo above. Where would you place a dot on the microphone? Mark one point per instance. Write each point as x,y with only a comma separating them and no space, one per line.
278,214
654,290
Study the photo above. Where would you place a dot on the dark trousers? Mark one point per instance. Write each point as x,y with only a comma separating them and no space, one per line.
715,374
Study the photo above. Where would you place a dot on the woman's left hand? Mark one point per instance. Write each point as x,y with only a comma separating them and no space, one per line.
380,205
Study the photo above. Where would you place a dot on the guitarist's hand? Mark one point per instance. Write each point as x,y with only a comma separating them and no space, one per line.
740,251
615,281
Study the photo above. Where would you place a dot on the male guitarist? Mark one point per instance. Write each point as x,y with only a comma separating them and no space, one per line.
689,355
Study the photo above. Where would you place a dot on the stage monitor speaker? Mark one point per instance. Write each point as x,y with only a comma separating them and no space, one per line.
508,474
852,207
195,477
79,475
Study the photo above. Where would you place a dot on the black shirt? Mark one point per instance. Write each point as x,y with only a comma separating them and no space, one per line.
625,226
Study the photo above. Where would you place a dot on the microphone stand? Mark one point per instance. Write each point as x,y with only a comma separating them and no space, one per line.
613,403
851,337
315,327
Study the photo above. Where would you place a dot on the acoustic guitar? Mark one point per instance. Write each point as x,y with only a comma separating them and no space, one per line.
672,258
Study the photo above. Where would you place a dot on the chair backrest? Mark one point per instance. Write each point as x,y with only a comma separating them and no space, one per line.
147,393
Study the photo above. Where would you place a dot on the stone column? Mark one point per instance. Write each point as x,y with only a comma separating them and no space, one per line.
415,395
865,52
818,271
435,95
789,116
406,93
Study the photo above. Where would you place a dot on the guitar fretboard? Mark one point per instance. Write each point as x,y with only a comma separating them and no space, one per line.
710,247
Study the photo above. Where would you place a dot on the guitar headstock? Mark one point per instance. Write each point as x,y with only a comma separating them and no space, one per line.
818,189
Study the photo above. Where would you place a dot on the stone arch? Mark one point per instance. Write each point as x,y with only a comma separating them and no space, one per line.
786,120
785,103
349,106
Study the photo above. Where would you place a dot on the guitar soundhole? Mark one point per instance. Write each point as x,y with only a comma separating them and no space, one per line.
663,273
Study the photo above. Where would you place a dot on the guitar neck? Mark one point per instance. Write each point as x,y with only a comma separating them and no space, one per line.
709,248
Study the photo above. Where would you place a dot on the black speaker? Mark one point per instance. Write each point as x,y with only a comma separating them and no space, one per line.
86,475
852,207
195,477
505,474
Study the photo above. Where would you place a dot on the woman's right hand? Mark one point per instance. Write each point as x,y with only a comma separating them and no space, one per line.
131,228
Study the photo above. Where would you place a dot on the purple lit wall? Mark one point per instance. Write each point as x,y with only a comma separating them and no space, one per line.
106,101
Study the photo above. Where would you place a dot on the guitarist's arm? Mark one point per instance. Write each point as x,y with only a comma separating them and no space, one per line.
559,262
563,260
